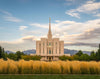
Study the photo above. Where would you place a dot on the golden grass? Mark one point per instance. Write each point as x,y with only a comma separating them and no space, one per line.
54,67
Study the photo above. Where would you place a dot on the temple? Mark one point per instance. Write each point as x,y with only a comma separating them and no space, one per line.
50,48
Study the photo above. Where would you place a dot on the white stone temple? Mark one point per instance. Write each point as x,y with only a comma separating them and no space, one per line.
50,48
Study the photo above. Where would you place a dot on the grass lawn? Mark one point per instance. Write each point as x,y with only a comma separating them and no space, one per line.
49,76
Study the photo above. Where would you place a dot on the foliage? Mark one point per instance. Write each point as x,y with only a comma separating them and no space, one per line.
84,57
93,56
12,56
19,54
79,53
28,57
2,53
98,55
63,57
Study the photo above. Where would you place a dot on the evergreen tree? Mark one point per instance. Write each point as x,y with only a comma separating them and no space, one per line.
0,52
98,54
79,53
84,57
93,56
19,54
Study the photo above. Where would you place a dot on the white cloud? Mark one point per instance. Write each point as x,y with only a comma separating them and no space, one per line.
73,14
38,25
98,15
90,7
21,44
12,19
5,12
9,17
22,27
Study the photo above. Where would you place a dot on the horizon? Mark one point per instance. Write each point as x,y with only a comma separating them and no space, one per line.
22,22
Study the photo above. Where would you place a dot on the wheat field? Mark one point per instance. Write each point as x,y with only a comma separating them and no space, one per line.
54,67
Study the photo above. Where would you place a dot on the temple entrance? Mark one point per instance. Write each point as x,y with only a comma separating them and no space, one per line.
50,58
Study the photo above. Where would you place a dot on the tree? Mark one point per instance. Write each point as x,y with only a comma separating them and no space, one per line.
2,53
93,56
64,57
84,57
98,54
79,53
18,53
76,57
12,56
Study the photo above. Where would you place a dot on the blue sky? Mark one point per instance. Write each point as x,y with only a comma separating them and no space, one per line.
22,22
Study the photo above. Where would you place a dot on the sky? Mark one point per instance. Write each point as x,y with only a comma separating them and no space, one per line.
22,22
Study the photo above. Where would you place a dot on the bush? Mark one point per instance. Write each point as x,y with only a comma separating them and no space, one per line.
28,57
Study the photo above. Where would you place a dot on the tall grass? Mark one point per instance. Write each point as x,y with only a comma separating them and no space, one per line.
54,67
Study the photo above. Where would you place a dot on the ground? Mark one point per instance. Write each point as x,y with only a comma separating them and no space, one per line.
49,76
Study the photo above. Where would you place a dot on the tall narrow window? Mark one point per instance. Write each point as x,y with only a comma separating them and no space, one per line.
56,47
59,49
49,51
56,50
49,44
40,48
43,48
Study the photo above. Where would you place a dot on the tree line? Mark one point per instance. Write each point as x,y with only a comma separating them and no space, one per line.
94,56
17,56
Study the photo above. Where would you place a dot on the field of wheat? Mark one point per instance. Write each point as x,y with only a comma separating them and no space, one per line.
54,67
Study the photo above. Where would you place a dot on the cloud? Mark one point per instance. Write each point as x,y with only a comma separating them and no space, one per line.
38,25
73,13
90,34
57,21
22,27
9,17
21,44
5,12
90,7
12,19
98,15
72,32
82,44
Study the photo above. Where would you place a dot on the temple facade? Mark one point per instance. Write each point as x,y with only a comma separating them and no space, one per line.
50,48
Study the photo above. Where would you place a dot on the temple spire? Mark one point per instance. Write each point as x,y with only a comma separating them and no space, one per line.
49,25
49,32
